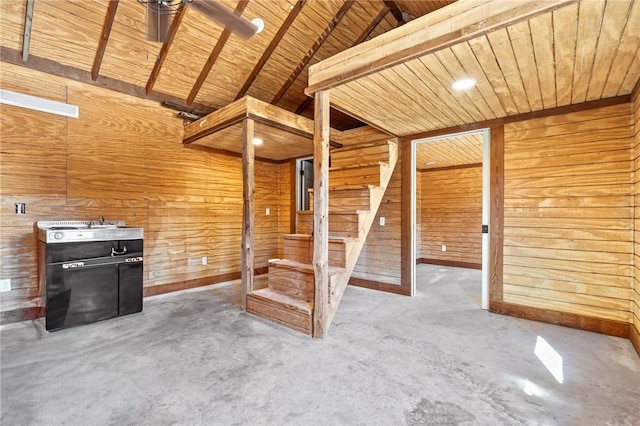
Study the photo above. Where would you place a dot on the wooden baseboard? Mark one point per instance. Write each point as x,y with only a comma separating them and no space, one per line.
452,263
21,314
34,312
598,325
634,336
380,286
199,282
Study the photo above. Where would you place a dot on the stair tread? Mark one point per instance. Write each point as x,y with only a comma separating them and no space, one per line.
361,145
349,187
352,186
300,303
336,212
359,165
308,237
307,267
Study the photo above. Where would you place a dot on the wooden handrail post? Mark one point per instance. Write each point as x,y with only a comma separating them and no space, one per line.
321,214
248,220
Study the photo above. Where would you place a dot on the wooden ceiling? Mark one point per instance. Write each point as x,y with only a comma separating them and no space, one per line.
525,56
449,152
201,65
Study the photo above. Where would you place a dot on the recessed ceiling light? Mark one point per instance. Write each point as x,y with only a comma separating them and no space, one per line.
464,84
257,141
259,24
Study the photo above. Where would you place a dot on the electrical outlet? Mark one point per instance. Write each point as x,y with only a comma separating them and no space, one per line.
382,221
5,285
267,212
204,260
444,248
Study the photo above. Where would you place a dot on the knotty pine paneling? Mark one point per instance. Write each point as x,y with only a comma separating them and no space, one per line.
123,159
568,213
451,215
635,302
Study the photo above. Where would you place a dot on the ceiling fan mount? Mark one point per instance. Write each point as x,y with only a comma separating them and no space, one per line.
159,16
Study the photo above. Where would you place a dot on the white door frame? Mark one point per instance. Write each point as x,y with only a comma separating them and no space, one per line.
486,206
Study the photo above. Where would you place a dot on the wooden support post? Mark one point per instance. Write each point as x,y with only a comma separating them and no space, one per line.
321,214
496,225
248,222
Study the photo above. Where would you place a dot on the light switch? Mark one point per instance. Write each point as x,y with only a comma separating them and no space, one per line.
382,221
267,212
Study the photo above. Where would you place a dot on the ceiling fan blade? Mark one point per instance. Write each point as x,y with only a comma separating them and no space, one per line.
219,13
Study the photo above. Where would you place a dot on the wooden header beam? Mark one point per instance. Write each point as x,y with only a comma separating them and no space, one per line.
445,27
257,110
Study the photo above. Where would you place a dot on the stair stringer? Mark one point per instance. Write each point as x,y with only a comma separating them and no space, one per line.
376,196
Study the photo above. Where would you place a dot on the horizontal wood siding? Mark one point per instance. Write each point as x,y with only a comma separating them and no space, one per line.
568,213
636,239
123,159
284,203
451,215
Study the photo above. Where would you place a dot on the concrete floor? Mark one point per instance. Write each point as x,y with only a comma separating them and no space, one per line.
435,359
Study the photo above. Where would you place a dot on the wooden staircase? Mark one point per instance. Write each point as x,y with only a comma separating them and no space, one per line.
358,178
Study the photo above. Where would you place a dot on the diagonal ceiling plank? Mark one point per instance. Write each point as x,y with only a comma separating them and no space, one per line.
28,21
104,38
164,51
242,5
272,46
311,53
365,34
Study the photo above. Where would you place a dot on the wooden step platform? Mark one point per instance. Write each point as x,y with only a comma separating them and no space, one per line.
341,224
291,311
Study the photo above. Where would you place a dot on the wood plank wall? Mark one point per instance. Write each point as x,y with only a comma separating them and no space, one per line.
123,159
635,303
451,215
379,260
285,210
568,213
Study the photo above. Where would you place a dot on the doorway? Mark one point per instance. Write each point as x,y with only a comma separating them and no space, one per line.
304,182
450,228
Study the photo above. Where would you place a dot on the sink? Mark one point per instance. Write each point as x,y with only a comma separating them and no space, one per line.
105,226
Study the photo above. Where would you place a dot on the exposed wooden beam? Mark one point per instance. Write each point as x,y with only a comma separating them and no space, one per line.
321,214
636,91
272,46
48,66
104,38
395,10
304,105
213,57
363,37
459,22
164,51
372,26
248,216
312,51
28,22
